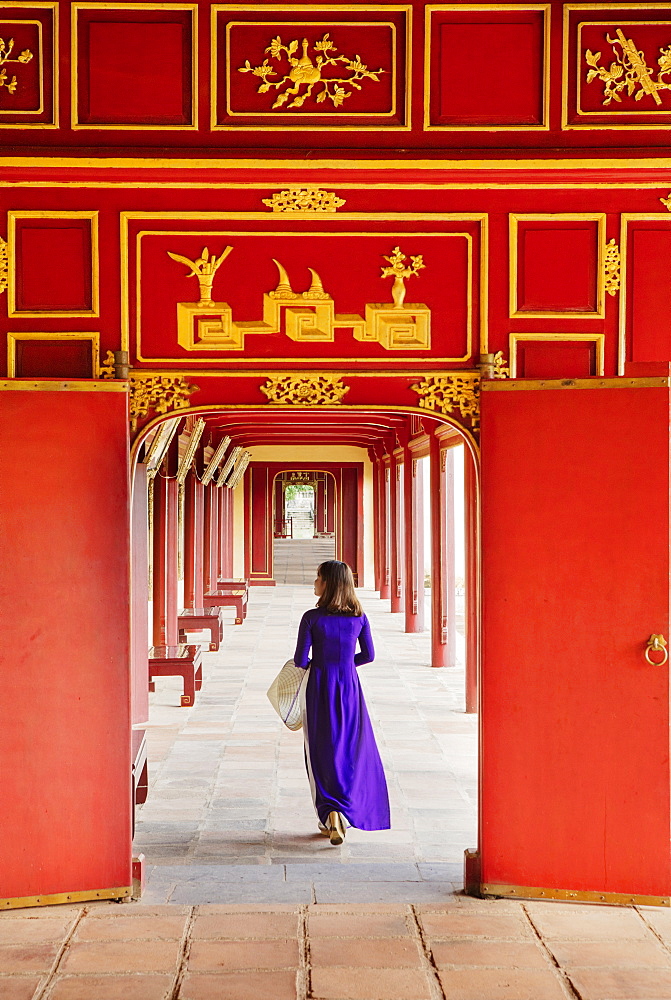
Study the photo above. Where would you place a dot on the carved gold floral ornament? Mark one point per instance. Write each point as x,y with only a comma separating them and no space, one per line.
6,49
399,272
457,391
305,390
629,71
304,200
612,267
159,393
304,72
4,264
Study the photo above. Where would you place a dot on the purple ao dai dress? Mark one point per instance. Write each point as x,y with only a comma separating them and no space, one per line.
341,754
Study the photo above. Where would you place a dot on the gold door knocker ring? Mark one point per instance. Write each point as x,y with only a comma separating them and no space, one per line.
656,643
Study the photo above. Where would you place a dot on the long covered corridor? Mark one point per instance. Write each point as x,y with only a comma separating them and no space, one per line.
229,816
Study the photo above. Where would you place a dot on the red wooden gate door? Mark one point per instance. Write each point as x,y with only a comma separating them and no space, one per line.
575,720
65,833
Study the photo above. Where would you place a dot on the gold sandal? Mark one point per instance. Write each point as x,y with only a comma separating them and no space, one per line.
336,828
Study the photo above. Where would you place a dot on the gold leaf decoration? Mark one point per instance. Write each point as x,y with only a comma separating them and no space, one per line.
159,393
628,71
305,390
106,369
307,72
667,202
4,264
6,49
611,266
460,391
304,200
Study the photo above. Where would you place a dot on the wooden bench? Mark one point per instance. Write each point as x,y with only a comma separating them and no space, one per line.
222,597
138,769
202,620
177,661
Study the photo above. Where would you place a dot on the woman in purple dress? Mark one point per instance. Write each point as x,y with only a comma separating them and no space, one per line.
343,764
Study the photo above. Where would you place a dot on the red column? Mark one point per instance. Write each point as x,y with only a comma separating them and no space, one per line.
376,518
190,534
385,588
396,534
413,510
278,529
139,597
210,532
221,539
165,563
320,506
472,519
228,534
439,630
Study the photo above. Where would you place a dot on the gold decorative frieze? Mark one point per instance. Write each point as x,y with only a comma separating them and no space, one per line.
307,317
302,74
4,264
158,393
460,391
305,390
6,49
629,71
304,200
611,265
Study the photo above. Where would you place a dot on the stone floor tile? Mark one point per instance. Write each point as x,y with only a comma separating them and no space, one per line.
382,872
371,984
139,987
610,954
379,953
501,984
338,891
121,956
28,957
18,987
659,918
247,893
244,925
252,985
34,931
368,925
494,954
131,928
622,984
567,921
206,956
460,923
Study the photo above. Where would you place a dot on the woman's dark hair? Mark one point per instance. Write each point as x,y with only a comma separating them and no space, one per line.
339,597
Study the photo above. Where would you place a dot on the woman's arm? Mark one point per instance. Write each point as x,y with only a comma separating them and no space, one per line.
367,654
303,642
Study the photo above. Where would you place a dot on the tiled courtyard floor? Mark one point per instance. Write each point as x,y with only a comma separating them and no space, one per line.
244,899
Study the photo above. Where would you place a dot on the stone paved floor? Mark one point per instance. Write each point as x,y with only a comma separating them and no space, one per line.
229,818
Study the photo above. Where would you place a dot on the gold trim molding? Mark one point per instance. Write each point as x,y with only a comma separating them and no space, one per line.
4,264
519,385
571,895
304,199
53,899
305,390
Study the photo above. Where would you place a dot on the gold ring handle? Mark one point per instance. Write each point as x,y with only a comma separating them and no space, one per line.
656,643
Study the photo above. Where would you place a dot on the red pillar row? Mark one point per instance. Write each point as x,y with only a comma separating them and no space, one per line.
413,520
193,542
385,527
396,533
472,578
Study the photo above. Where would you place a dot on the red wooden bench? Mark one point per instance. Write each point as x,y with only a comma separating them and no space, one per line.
182,661
223,597
202,620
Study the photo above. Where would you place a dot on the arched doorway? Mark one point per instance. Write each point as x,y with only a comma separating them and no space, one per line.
304,523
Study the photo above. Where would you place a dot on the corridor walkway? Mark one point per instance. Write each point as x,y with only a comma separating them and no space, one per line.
229,816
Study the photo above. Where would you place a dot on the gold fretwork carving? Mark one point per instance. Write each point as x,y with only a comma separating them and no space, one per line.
306,317
107,368
204,268
301,199
4,264
303,72
611,267
460,391
6,49
305,390
159,393
629,71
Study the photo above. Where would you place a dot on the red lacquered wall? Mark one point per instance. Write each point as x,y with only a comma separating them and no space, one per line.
575,722
64,594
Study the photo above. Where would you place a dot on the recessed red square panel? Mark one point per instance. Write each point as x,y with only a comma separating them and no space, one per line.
53,266
556,359
53,359
556,265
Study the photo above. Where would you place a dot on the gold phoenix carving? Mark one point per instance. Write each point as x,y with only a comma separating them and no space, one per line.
303,72
457,391
159,393
4,264
305,390
629,71
6,49
611,266
304,200
306,317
